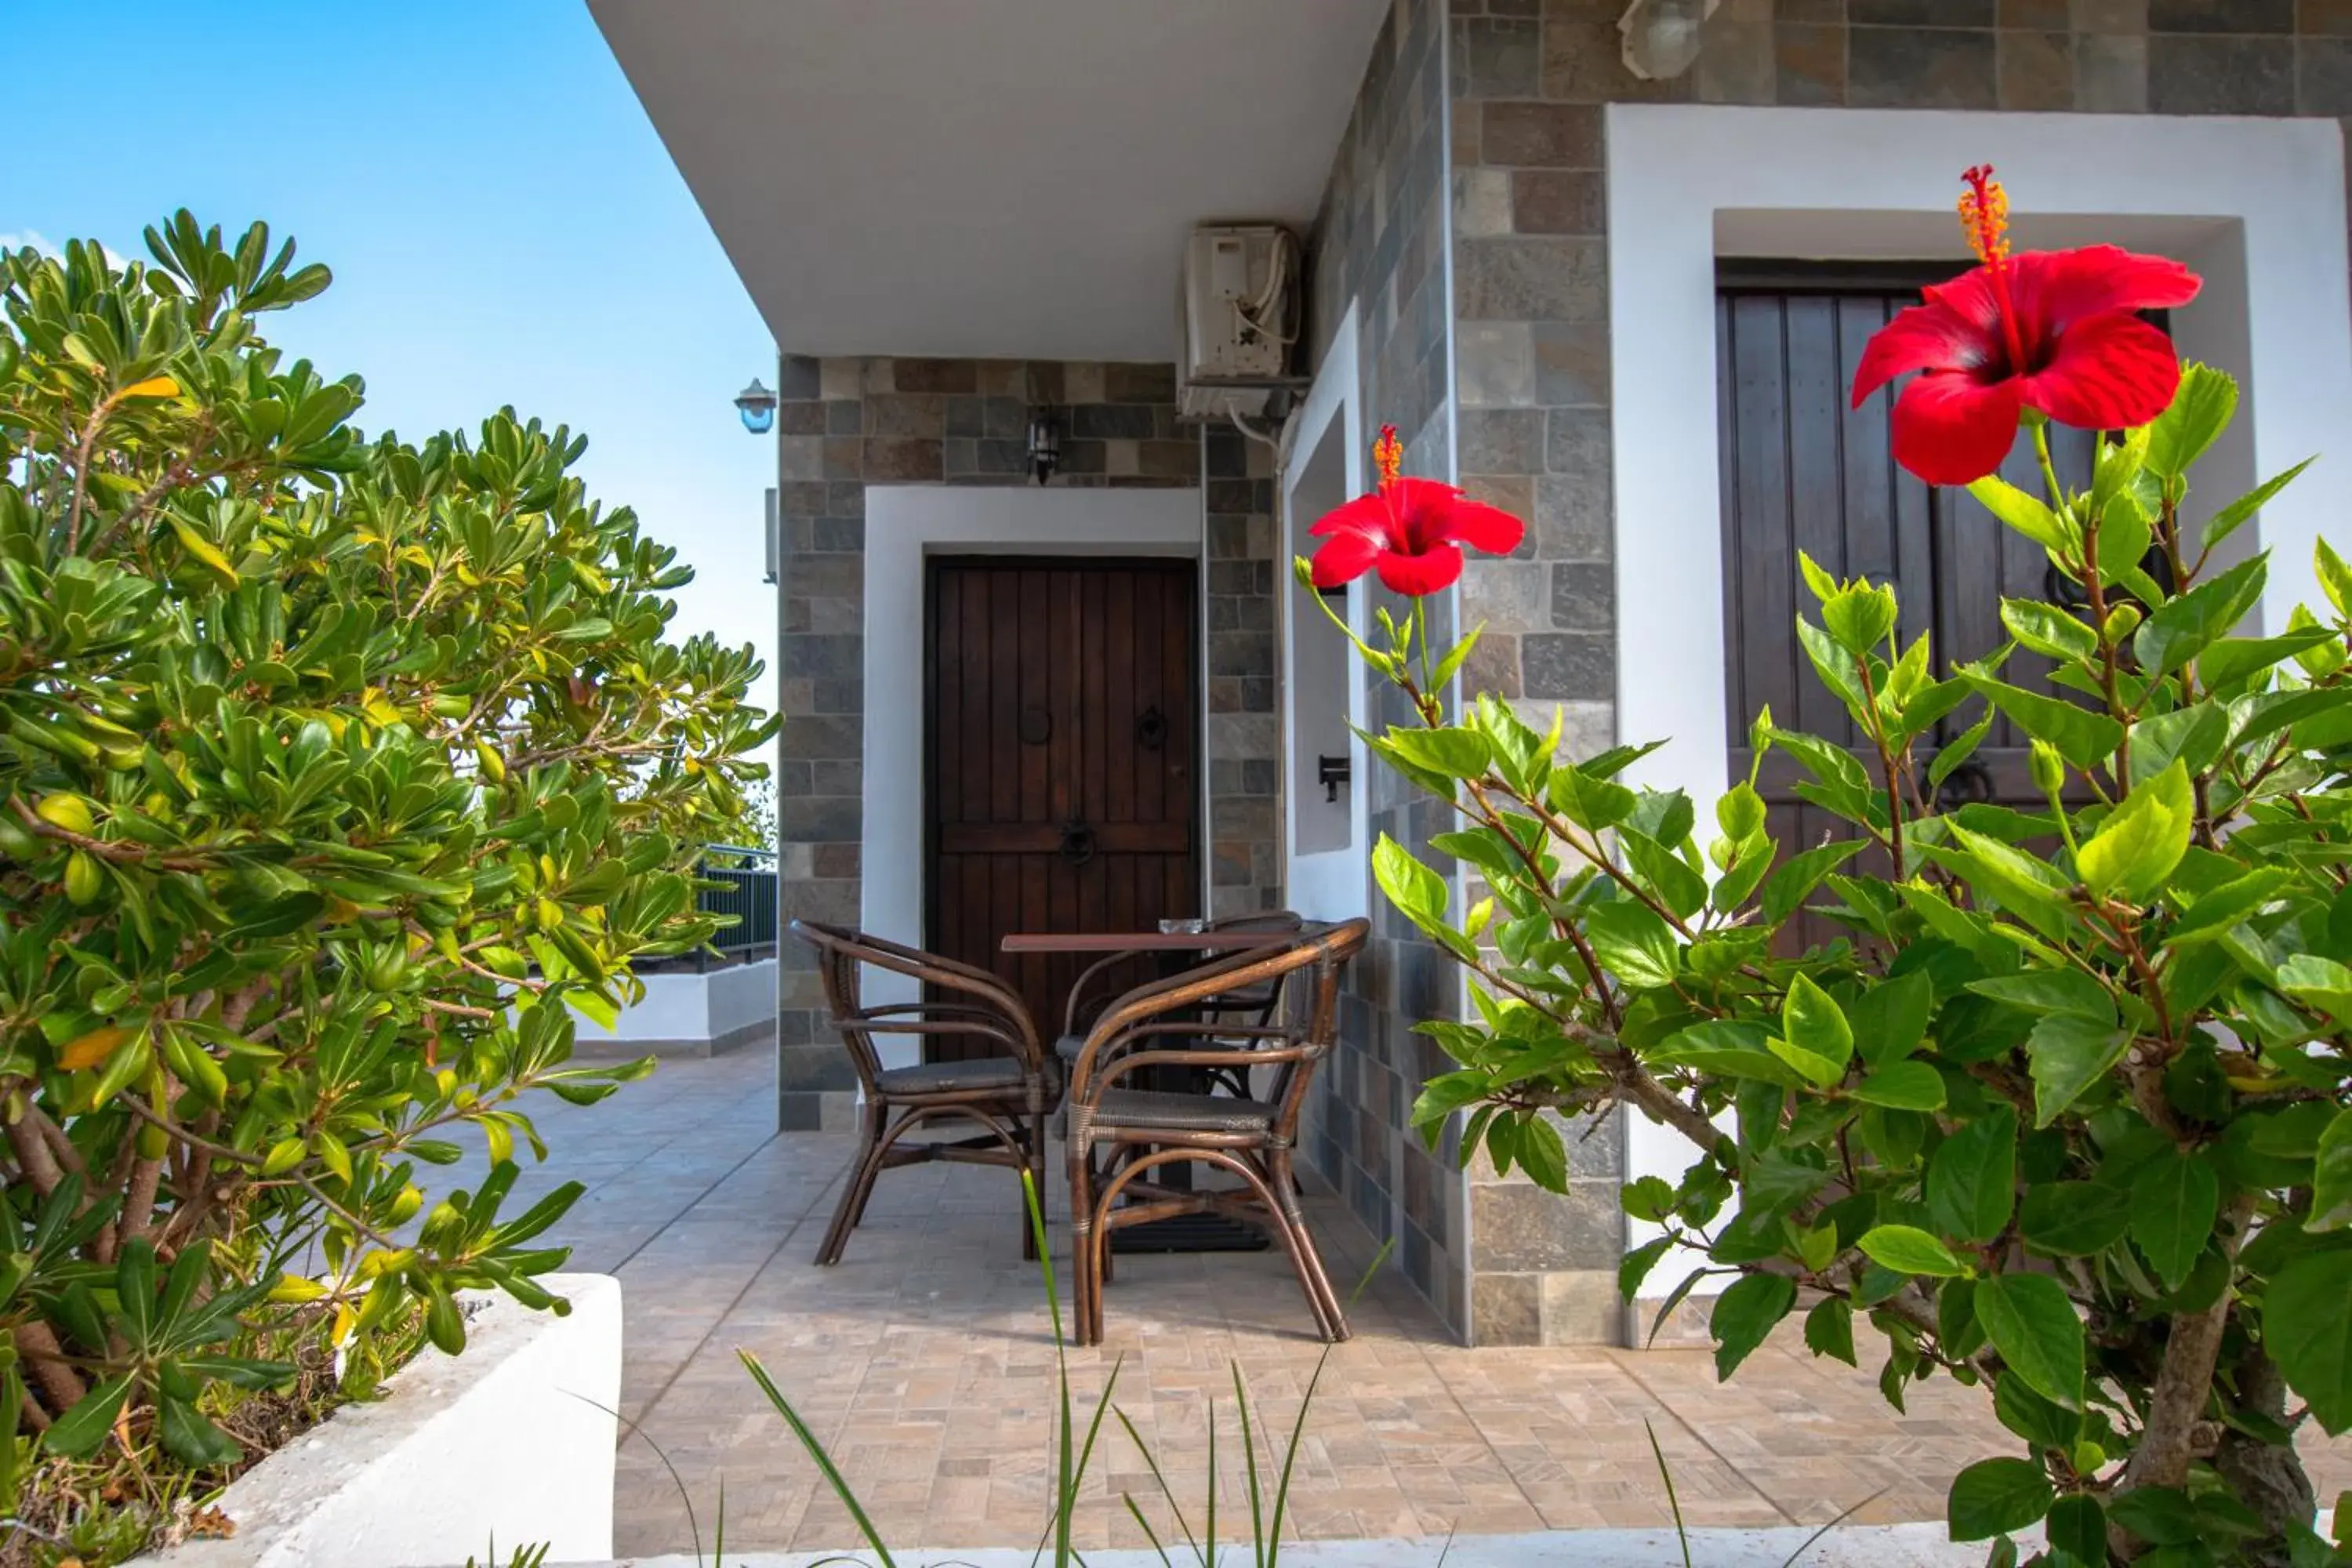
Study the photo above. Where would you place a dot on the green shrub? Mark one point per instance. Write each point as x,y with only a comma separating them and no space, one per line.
333,770
2064,1114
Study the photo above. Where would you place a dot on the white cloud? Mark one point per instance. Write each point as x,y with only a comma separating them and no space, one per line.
20,238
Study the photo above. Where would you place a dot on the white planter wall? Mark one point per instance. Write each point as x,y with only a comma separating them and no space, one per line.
513,1439
689,1014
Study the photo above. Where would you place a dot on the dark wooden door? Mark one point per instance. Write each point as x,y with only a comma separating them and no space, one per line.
1063,737
1803,470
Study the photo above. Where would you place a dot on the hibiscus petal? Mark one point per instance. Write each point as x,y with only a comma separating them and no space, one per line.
2110,372
1932,336
1367,515
1343,558
2054,289
1434,513
1951,430
1414,576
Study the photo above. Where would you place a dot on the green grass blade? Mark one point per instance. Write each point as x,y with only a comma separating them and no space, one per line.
1094,1430
685,1497
1843,1514
719,1530
1290,1458
824,1461
1298,1427
1166,1491
1145,1525
1249,1461
1211,1561
1682,1536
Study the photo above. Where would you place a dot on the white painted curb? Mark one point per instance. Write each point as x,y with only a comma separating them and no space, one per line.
1852,1546
501,1442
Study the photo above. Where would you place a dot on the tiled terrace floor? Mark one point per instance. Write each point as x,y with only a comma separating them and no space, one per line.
926,1361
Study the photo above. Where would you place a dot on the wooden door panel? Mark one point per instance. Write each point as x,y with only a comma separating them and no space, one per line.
1061,789
1804,471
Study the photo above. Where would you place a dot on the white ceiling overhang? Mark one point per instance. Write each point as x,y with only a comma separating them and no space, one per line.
988,178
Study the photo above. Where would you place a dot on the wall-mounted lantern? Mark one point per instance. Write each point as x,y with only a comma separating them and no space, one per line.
757,405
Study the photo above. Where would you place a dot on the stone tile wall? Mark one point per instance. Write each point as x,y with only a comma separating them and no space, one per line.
1243,572
1380,241
1527,83
843,423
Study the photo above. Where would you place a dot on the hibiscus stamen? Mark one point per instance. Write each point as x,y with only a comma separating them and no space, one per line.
1388,455
1984,219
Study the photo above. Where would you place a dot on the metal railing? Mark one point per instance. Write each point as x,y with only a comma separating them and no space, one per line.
747,891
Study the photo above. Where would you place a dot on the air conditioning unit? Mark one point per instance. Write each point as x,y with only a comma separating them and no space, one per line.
1241,312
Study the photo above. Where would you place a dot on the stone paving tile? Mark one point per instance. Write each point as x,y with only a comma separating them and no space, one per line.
926,1361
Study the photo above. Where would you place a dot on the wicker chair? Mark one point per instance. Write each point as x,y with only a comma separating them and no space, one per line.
1006,1096
1118,1134
1094,990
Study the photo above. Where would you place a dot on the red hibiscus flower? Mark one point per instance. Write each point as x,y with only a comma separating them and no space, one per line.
2053,331
1408,531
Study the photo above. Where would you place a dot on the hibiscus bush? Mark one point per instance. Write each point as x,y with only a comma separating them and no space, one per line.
335,774
2064,1112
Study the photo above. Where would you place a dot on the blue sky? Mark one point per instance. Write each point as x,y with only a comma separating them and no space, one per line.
503,225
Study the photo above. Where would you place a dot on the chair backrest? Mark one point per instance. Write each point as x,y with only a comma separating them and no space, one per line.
1318,956
844,955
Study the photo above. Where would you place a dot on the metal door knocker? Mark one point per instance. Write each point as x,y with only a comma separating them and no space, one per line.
1077,843
1151,729
1037,725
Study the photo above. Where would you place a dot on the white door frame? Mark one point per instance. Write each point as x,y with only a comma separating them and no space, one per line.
1331,884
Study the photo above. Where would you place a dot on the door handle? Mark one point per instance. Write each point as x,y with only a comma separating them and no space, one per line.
1077,843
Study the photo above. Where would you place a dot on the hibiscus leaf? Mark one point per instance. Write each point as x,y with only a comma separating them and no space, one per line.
2234,516
2081,736
2026,513
2201,411
2142,840
2182,627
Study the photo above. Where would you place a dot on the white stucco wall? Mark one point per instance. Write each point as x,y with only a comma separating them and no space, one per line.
684,1011
2256,204
513,1439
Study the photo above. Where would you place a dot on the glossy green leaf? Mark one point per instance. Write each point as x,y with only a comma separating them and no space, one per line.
2308,1332
2083,737
1829,1329
2175,1200
1745,1314
1903,1086
2026,513
2033,1325
1972,1177
1907,1250
2069,1053
1633,944
1811,1021
1994,1497
2135,849
2075,1219
2201,410
2331,1187
2184,626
